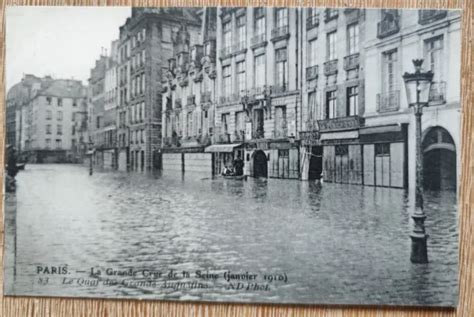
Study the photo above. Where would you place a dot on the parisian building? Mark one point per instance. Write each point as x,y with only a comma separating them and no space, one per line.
145,45
17,97
189,94
109,130
311,93
96,108
393,39
259,88
45,116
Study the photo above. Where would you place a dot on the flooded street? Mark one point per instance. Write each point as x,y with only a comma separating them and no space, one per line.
336,243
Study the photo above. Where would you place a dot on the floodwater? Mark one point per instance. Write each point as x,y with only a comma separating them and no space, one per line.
333,243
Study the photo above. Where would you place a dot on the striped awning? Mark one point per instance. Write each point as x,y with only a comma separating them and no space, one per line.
222,148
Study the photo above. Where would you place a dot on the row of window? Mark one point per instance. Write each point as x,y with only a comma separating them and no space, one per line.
58,101
138,60
194,124
58,143
381,149
433,52
59,129
259,27
137,136
137,113
110,96
138,85
281,73
138,38
59,115
331,103
352,34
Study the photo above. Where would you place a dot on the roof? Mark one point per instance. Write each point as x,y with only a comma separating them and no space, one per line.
64,88
222,148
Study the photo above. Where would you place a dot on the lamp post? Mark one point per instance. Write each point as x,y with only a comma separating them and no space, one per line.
418,86
91,152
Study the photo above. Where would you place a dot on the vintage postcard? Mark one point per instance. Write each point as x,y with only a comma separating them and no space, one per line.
233,154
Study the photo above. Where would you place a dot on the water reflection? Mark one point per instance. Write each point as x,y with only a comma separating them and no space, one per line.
337,243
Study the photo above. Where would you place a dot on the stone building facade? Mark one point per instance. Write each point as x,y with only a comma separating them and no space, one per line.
259,88
292,95
393,39
145,45
18,96
333,93
189,94
45,112
96,95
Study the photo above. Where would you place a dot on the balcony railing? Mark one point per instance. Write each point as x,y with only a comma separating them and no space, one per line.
237,47
278,89
226,51
312,21
330,67
312,72
388,26
438,92
177,104
281,32
258,93
389,101
330,14
172,141
206,97
429,16
342,123
352,61
258,40
191,100
230,98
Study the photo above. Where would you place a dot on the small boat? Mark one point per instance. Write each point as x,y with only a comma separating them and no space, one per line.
20,166
235,177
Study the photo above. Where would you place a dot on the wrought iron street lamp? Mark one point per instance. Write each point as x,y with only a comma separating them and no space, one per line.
418,86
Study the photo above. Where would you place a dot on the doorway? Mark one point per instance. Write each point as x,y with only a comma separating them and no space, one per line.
316,163
439,160
260,164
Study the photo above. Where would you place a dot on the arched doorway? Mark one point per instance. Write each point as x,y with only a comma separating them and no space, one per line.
439,160
260,164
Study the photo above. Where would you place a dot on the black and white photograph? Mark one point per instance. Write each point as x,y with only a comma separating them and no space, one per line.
284,155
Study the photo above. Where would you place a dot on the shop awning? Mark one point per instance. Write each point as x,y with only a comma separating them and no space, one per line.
222,148
381,129
386,133
339,135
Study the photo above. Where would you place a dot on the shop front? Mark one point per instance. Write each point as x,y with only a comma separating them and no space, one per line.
385,155
342,151
224,156
273,159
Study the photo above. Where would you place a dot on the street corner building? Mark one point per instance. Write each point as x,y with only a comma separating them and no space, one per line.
46,119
